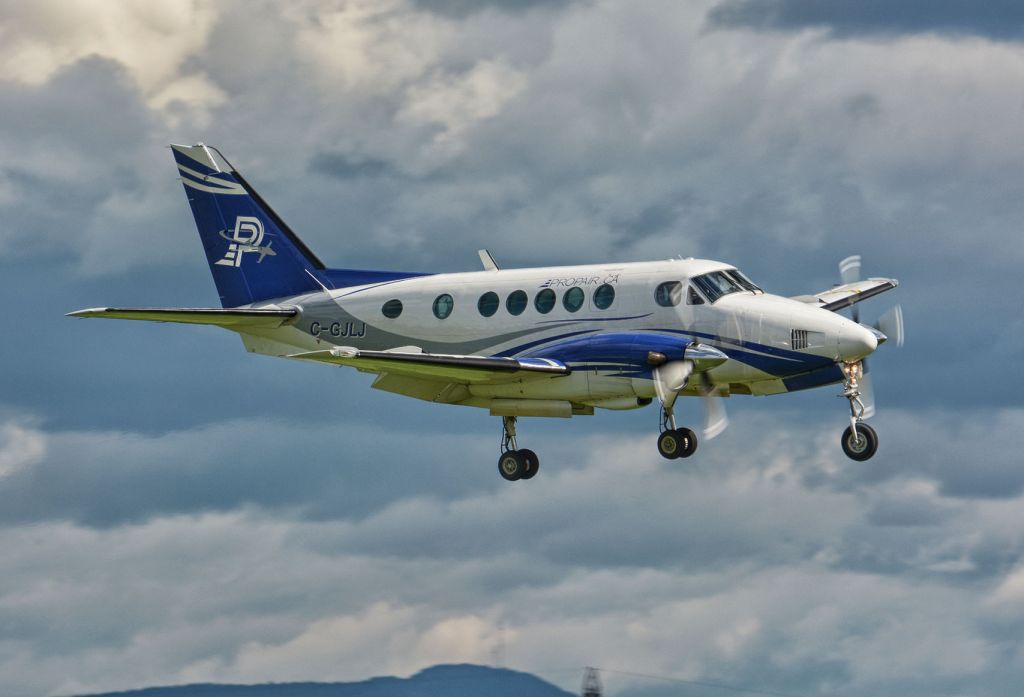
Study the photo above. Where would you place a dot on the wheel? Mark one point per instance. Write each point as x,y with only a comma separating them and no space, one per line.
689,440
862,446
670,444
532,463
511,465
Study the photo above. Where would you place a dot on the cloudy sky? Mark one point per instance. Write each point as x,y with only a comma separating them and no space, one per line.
173,509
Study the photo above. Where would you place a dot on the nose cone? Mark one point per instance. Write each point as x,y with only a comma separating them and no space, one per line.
856,342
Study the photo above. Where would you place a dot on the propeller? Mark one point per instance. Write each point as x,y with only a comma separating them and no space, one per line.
867,394
672,377
890,324
716,419
849,272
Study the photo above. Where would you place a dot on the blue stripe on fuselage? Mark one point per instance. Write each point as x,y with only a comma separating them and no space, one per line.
524,347
779,362
768,359
823,376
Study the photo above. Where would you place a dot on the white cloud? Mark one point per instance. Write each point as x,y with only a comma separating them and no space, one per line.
188,101
233,598
458,102
695,570
151,40
382,639
1009,594
366,47
21,446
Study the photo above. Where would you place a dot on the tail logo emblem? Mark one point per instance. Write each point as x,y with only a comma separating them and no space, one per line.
246,237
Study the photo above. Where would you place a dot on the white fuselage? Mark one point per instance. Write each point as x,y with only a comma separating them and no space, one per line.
774,344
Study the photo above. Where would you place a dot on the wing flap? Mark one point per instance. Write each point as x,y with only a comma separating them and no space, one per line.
849,293
438,366
228,318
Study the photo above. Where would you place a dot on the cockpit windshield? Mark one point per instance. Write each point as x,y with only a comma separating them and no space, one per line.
747,284
718,283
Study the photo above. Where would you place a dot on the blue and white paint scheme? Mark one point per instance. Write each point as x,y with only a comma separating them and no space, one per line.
546,341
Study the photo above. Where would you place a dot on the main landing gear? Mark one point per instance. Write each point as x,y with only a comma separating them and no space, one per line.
515,464
675,442
859,440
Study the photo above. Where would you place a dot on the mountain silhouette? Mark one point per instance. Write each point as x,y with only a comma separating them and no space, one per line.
439,681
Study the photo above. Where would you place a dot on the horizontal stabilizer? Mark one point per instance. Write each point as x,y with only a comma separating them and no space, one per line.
849,293
461,369
229,318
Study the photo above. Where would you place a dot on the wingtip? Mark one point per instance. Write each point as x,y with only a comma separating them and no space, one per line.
87,312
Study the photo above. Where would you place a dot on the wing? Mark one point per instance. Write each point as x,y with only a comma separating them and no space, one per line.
442,367
849,293
230,318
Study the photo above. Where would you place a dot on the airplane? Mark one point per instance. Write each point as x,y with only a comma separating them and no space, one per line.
543,342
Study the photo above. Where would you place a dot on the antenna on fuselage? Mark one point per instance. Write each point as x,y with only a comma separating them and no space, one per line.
487,260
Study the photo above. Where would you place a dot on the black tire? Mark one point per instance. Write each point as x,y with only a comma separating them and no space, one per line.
532,463
670,445
511,465
863,446
689,439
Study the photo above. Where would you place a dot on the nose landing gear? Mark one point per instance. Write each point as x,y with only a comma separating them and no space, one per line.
859,444
515,464
859,440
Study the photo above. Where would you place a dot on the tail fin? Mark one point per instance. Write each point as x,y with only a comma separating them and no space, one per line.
252,253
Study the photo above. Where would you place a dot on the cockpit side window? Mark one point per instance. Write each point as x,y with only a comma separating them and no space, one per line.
669,293
693,297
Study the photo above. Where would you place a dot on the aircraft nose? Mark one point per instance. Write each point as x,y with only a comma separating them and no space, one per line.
856,342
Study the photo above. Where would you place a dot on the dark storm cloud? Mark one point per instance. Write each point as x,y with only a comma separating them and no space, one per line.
115,478
94,91
585,515
948,448
1001,19
658,219
343,166
57,175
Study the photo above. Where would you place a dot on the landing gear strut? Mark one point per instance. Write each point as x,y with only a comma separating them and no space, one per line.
515,464
675,442
859,440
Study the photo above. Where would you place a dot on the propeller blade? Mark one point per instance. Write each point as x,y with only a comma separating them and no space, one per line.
715,418
891,324
849,272
670,378
867,394
849,269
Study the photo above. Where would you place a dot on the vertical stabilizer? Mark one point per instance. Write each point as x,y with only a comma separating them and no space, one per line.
253,254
